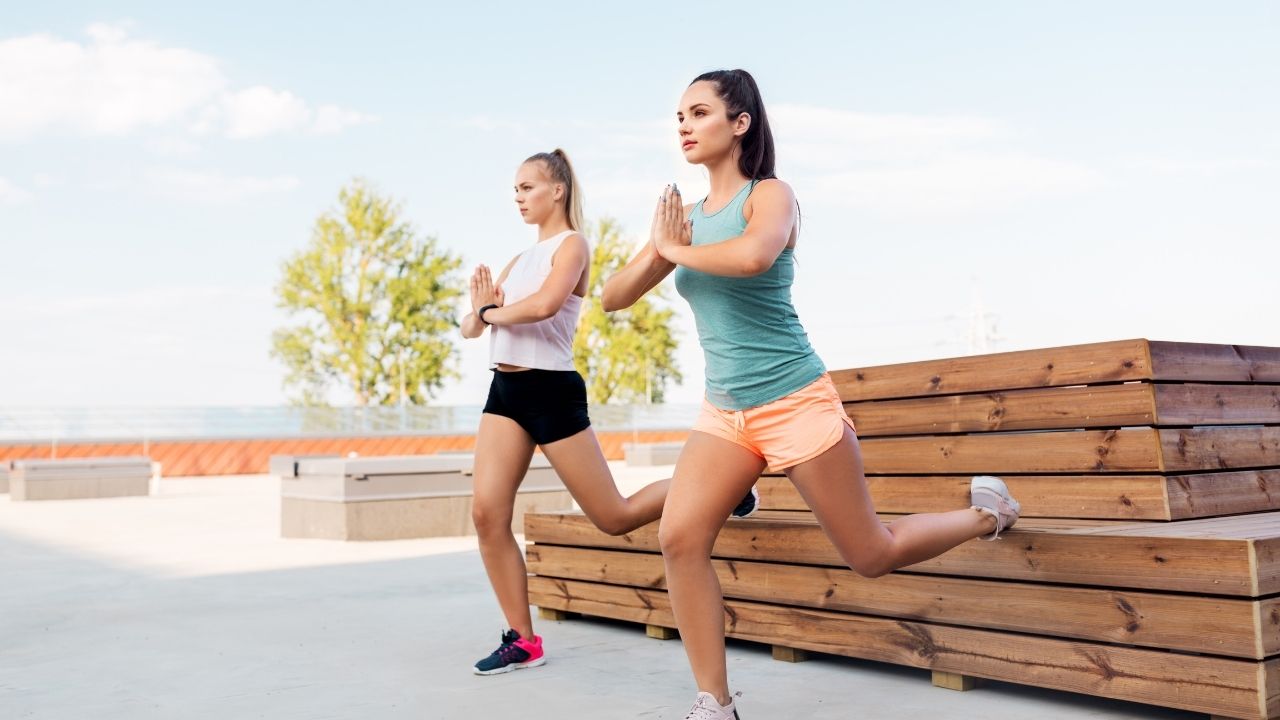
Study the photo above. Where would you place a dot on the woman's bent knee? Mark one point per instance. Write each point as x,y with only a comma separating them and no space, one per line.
871,566
491,520
680,542
614,526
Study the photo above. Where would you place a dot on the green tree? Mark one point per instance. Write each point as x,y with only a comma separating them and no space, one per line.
377,304
629,355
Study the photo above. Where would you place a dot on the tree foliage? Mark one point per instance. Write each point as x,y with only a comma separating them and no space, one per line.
377,306
629,355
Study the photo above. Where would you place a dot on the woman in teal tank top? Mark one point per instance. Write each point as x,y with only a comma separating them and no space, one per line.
769,401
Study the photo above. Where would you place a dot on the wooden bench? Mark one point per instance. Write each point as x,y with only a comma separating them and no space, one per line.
1146,566
80,478
648,454
391,498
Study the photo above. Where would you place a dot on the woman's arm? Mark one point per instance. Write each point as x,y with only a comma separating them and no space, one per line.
643,273
751,253
570,260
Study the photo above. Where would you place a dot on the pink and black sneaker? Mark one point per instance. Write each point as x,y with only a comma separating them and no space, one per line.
515,653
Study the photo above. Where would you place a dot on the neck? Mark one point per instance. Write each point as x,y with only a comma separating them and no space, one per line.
726,178
553,227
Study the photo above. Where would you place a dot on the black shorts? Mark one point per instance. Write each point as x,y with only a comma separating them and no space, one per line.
550,405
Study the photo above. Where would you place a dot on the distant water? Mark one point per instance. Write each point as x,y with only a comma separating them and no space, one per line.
65,424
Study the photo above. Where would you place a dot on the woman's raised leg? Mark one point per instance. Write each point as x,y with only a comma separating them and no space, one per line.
581,464
834,487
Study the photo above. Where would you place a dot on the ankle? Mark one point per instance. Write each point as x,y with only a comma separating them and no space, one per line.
987,521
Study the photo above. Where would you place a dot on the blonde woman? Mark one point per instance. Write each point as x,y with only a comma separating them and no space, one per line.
538,399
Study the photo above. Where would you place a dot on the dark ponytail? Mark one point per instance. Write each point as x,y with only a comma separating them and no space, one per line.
740,94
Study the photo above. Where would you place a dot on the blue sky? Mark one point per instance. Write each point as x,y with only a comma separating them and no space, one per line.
1081,172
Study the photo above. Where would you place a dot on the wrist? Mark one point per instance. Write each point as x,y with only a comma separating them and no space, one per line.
480,313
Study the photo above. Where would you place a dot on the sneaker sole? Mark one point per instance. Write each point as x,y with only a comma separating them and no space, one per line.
754,508
512,666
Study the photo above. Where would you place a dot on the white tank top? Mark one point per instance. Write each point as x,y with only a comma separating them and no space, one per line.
546,344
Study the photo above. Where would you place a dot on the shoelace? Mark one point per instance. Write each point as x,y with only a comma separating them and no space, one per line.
506,651
702,710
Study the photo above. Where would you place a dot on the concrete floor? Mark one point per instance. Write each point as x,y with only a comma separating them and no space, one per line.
187,604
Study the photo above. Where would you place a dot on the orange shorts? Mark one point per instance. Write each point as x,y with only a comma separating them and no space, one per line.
787,431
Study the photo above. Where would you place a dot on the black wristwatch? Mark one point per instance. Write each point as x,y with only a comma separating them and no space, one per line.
480,313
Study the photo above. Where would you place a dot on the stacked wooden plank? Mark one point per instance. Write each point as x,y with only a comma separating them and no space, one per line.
1146,566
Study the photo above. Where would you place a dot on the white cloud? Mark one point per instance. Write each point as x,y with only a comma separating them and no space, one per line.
890,164
259,111
331,119
11,194
216,188
917,164
115,84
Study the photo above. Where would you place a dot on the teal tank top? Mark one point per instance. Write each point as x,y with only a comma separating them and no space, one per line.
756,350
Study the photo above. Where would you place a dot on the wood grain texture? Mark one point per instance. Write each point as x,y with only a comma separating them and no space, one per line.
1236,688
1109,497
1221,626
1219,448
1091,364
1090,451
1101,406
1070,556
1199,362
1053,367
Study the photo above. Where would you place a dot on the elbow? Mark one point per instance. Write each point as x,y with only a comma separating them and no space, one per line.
544,310
614,298
754,265
610,302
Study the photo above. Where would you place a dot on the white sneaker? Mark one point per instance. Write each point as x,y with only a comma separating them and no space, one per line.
706,708
990,495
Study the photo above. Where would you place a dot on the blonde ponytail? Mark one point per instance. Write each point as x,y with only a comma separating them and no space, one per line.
561,171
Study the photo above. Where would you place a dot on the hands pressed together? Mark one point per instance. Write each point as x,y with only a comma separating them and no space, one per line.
483,291
670,228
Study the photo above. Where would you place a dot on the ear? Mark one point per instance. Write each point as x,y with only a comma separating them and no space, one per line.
742,124
558,192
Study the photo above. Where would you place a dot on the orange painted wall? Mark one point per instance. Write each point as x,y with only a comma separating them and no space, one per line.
241,457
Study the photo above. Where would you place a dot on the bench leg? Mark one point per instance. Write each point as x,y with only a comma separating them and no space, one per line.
791,655
657,632
556,615
955,681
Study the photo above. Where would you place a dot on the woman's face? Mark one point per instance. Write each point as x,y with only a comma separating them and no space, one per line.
537,195
706,131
